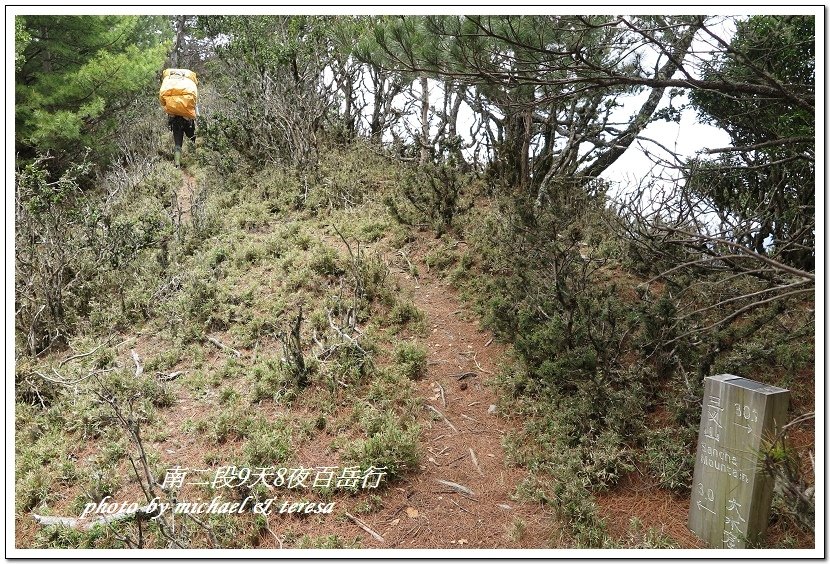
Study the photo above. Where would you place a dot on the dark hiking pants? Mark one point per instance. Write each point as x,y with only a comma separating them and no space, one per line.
181,127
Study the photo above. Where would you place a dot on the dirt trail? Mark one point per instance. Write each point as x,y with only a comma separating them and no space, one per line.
185,198
458,346
462,445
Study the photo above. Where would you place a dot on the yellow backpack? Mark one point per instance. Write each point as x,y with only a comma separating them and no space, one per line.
178,94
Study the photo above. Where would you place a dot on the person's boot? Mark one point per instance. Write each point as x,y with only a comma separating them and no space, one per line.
177,156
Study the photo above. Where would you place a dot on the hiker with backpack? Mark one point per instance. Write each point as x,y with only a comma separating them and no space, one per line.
178,96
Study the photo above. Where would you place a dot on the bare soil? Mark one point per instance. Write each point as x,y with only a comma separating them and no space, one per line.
463,444
185,198
459,345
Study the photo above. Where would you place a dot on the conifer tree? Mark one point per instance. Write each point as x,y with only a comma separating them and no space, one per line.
76,73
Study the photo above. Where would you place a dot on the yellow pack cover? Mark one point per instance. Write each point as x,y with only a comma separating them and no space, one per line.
178,94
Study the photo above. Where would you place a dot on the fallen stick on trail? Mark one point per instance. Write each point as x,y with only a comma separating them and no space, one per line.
164,377
456,487
465,375
365,527
139,369
84,525
457,504
82,355
475,462
444,417
224,347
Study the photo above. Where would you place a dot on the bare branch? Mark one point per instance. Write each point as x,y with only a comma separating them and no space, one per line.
758,256
756,146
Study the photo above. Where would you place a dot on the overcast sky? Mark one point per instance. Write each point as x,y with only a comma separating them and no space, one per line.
685,138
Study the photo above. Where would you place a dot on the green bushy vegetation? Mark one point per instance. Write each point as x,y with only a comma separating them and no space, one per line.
411,359
431,196
390,445
239,276
590,342
593,366
598,352
246,306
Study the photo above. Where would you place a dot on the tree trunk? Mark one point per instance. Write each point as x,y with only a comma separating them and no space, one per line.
378,117
452,124
424,120
524,155
515,148
348,93
178,42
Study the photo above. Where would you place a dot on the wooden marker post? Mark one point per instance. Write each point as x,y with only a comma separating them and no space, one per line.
731,493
